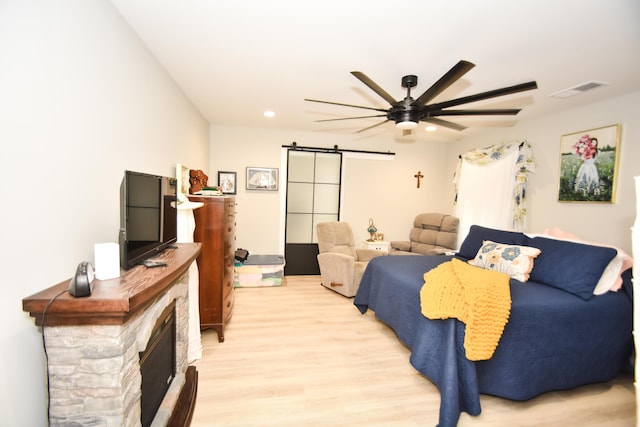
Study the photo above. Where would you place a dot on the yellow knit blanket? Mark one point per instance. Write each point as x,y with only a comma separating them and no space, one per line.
479,298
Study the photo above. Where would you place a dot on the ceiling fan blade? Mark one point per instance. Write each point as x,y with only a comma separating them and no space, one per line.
346,105
443,123
457,71
373,86
493,112
371,127
350,118
484,95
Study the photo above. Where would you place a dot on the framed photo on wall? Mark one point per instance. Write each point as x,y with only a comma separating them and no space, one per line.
227,182
262,179
589,165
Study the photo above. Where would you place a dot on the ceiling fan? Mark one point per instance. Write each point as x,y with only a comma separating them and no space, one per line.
408,112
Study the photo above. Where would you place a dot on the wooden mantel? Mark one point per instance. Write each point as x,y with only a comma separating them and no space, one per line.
115,301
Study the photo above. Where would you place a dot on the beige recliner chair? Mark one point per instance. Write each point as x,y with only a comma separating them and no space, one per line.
341,263
432,234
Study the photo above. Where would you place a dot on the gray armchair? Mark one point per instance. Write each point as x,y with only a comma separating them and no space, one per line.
432,234
341,263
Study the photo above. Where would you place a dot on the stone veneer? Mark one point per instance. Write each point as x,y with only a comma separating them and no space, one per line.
94,371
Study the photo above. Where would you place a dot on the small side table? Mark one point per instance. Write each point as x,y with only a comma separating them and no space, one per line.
378,245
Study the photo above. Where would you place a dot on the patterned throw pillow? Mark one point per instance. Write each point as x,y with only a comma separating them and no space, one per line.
514,260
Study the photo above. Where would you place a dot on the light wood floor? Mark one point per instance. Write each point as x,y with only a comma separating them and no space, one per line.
302,355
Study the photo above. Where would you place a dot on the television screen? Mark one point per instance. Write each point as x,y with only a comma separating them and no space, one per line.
148,216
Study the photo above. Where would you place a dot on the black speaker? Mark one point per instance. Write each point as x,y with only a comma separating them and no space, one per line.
80,284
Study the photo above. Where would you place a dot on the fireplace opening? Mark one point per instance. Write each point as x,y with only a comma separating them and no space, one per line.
158,364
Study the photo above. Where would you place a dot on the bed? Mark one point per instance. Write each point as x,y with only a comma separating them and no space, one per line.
559,335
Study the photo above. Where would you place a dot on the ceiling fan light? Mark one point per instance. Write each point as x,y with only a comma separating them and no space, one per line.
407,125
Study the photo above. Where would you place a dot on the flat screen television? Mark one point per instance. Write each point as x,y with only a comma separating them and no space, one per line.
148,216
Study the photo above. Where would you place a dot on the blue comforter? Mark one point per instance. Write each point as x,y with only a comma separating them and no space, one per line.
553,340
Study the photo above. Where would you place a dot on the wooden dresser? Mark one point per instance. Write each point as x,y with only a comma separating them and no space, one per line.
215,230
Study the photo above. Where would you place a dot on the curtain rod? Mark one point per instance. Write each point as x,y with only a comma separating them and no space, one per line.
294,146
519,147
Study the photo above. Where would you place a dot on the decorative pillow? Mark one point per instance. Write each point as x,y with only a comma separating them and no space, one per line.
514,260
477,235
611,279
570,266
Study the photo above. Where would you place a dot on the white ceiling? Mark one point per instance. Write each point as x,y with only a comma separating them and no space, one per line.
236,59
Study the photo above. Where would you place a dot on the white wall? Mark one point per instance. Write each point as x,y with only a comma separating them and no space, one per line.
82,100
600,222
384,190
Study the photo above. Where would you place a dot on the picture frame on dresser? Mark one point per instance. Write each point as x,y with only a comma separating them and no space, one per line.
264,179
182,177
227,182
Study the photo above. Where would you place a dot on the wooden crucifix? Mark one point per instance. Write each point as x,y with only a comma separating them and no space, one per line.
418,176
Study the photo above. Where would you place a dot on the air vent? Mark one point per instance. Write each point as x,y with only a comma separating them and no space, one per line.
566,93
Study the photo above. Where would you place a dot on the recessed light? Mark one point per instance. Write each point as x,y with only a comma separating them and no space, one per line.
269,114
430,128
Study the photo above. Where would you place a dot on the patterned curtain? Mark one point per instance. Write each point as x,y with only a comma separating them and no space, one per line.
491,186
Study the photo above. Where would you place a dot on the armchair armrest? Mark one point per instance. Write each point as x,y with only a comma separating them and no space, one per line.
401,245
439,251
366,255
336,267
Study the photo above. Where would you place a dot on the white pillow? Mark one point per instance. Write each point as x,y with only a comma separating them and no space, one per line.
611,279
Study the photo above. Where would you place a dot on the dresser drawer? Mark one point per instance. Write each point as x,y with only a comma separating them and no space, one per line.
227,282
227,306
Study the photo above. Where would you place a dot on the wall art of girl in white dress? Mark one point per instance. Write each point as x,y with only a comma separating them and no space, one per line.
589,165
587,179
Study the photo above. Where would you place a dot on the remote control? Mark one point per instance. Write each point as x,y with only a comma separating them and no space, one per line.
150,263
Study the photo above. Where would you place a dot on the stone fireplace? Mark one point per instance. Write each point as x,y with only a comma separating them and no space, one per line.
94,353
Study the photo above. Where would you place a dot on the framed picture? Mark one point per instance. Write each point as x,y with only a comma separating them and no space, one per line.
227,182
262,179
182,176
589,165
